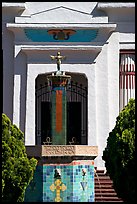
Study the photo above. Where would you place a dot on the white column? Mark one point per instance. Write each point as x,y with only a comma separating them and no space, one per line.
17,88
16,100
121,83
92,130
128,78
113,78
125,83
132,77
30,108
102,104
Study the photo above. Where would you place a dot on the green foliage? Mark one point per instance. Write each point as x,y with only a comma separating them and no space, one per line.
119,154
17,168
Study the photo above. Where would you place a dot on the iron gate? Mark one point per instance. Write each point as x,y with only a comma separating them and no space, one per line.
76,114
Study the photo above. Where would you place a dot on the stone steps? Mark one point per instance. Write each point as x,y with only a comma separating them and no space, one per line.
104,191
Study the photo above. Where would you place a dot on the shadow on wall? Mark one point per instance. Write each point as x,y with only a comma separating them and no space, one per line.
34,192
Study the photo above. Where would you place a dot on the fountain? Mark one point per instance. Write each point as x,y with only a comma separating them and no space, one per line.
58,82
65,173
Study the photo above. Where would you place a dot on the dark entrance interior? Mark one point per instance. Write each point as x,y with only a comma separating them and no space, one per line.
45,120
77,119
73,121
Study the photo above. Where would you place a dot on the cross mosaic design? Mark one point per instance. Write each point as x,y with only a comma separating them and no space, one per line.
58,186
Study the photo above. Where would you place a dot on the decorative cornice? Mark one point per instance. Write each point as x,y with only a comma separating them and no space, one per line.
111,26
60,47
29,49
17,6
114,5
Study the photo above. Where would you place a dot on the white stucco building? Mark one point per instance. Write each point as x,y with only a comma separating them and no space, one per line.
100,55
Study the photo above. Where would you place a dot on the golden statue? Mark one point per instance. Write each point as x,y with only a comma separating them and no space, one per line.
58,59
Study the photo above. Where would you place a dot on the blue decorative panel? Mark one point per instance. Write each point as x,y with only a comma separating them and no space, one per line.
62,183
41,35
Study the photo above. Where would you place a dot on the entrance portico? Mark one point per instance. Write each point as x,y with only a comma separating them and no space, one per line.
98,42
85,56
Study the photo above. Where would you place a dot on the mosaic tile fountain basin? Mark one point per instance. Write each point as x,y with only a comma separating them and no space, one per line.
65,173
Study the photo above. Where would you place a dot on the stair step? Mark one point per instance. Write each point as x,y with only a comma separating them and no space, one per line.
104,181
109,201
107,198
110,190
103,186
102,177
101,194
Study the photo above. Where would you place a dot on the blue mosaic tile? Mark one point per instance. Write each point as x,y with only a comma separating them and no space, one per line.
43,187
41,35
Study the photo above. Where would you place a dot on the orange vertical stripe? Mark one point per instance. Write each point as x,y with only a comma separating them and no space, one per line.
58,110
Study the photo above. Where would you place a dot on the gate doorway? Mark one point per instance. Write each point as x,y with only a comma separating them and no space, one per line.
74,122
76,111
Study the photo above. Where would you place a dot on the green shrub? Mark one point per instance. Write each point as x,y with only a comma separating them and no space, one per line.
119,154
17,168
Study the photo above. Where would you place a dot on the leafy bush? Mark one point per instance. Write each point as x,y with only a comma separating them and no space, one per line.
119,154
17,168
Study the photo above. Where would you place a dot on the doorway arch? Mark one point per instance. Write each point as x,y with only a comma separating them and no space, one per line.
77,114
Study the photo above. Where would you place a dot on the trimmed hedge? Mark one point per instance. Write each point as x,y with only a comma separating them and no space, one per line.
17,168
119,154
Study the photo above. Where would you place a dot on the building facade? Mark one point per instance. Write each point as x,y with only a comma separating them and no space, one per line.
98,40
